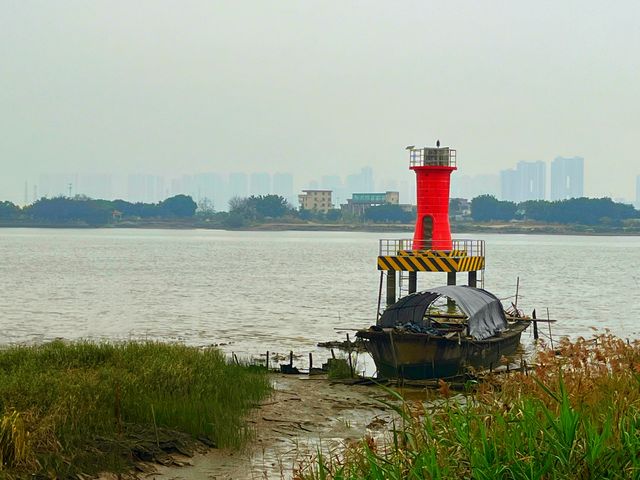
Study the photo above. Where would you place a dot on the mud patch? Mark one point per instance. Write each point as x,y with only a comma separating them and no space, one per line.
303,414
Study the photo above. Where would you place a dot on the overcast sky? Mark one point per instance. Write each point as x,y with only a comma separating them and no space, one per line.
316,88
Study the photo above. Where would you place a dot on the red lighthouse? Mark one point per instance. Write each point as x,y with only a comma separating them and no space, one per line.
433,167
431,249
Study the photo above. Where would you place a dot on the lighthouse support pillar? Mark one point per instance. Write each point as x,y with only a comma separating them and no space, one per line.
391,287
451,280
413,282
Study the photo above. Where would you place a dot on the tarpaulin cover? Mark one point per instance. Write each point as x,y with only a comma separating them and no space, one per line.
484,310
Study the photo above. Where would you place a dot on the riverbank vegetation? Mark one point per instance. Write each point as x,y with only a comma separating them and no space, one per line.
84,211
274,212
576,415
82,408
580,211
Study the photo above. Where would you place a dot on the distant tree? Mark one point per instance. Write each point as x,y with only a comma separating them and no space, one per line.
126,208
305,214
272,206
181,206
458,206
205,207
260,207
487,207
241,207
389,214
64,210
9,210
236,203
585,211
333,215
582,211
136,210
100,212
234,220
539,210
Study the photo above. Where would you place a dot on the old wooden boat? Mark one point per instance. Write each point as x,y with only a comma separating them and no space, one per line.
414,340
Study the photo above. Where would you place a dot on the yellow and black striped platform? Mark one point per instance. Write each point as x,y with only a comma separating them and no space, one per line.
424,263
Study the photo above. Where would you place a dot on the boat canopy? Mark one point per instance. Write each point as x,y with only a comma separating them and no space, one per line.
484,310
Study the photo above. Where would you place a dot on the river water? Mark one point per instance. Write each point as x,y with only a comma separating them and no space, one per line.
255,291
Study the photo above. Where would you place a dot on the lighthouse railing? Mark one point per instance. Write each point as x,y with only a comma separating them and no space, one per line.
391,246
460,247
473,248
432,157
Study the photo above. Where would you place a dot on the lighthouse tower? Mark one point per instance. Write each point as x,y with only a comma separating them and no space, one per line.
431,249
433,167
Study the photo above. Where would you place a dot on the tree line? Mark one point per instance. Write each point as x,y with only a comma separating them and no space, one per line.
582,211
84,210
257,209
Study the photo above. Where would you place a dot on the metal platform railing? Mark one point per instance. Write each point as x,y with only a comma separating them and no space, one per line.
432,157
390,246
471,248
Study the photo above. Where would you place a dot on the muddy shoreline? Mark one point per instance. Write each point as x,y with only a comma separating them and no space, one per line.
302,414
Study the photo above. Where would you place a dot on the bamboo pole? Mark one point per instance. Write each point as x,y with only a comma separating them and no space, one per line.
550,337
379,296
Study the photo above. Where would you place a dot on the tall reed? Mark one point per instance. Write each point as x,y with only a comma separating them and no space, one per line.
576,416
72,408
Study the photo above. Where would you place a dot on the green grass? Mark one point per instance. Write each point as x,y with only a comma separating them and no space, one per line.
70,408
576,417
339,369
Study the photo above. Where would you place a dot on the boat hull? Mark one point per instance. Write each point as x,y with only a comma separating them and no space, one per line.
423,356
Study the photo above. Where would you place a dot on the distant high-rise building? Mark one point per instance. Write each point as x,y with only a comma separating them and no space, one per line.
526,182
638,192
238,185
361,182
388,185
408,191
283,186
567,178
57,185
485,185
469,187
212,188
136,188
509,184
95,186
533,180
221,195
329,181
155,189
203,183
185,185
260,184
367,178
176,186
146,188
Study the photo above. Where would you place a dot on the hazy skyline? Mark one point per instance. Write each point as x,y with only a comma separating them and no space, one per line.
316,88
